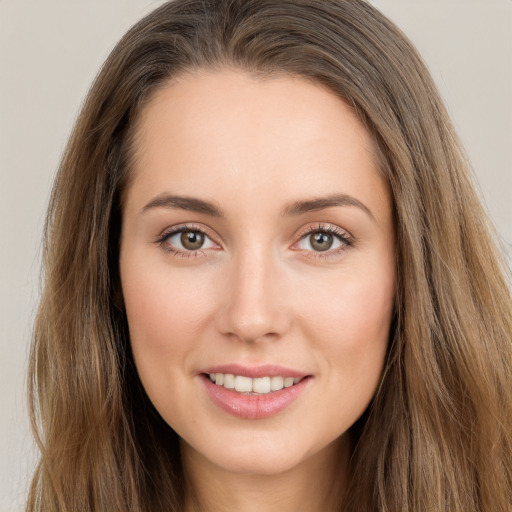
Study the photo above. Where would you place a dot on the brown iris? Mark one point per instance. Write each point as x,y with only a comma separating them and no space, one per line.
321,241
192,240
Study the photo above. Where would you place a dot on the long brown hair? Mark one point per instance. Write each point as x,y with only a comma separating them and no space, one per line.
437,436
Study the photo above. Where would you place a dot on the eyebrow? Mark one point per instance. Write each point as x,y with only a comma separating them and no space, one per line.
321,203
190,204
296,208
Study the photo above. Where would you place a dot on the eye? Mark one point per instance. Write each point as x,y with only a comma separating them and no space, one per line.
324,239
186,240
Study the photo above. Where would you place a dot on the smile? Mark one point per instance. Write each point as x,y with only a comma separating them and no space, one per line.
254,393
256,386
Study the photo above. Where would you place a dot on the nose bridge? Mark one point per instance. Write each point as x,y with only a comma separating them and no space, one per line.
253,309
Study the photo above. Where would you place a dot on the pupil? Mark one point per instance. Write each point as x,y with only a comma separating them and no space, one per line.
321,241
192,240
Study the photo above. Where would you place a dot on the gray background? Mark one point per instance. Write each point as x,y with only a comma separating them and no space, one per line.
49,52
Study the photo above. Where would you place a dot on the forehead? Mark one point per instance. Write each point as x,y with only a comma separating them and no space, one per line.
226,131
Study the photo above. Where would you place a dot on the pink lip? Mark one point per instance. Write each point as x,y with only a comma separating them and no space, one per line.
254,407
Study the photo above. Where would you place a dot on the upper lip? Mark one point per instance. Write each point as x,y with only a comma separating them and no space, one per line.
255,371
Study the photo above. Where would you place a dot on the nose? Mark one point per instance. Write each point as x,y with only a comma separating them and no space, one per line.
254,305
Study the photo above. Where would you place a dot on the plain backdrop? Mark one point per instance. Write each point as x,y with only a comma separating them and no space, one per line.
49,53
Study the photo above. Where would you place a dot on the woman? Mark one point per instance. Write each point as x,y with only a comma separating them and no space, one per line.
269,282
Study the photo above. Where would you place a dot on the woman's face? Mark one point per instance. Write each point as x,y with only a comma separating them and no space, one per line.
258,251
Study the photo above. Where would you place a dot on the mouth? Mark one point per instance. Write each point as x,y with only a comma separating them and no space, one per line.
252,386
254,393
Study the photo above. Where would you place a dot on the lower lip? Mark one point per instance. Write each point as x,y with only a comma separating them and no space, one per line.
253,407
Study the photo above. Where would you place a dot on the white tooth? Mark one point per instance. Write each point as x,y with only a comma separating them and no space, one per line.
296,380
243,384
229,381
276,383
261,385
288,381
219,379
212,377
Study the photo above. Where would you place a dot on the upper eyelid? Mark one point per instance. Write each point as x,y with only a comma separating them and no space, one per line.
172,230
327,228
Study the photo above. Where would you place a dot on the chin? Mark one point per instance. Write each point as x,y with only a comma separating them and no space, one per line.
257,454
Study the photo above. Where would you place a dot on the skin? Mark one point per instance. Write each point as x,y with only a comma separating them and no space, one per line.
258,292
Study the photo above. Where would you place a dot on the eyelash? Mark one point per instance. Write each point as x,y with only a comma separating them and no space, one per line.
346,240
164,237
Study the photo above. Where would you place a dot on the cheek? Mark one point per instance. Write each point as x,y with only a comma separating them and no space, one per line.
162,305
350,323
166,312
356,311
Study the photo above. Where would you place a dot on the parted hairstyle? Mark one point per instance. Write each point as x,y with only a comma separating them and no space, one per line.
437,436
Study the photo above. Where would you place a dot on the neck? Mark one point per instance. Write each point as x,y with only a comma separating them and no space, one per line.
315,484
